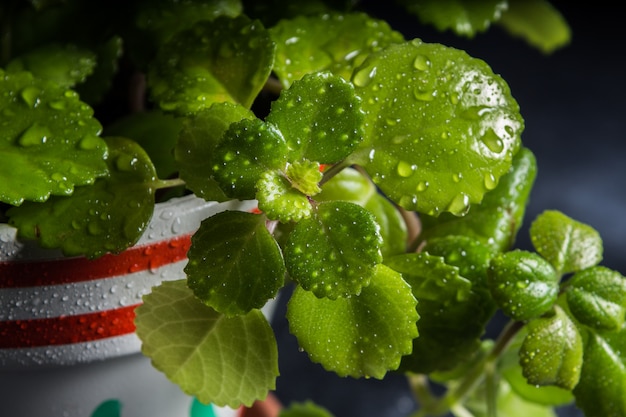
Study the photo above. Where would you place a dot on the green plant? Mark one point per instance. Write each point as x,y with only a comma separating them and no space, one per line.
391,183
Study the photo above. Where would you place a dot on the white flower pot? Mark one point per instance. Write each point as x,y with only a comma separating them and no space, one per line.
67,341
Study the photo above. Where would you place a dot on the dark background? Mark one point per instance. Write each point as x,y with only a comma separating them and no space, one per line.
573,102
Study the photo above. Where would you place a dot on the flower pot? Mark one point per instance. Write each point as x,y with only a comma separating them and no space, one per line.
67,341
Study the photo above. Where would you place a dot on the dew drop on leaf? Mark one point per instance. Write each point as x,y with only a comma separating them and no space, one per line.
459,205
30,95
492,141
405,169
36,134
364,76
421,63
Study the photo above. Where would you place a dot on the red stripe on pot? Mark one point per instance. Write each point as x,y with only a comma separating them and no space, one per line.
17,274
67,329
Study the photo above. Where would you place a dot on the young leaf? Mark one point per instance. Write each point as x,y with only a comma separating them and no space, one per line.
330,42
538,22
280,200
364,335
497,219
66,65
235,265
569,245
49,141
600,391
351,185
438,123
552,351
596,297
108,216
248,149
203,351
523,284
222,60
508,404
320,117
464,17
335,252
198,139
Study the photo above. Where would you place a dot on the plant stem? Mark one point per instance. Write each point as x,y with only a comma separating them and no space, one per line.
169,183
455,395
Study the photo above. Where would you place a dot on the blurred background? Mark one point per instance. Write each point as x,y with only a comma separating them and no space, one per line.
574,105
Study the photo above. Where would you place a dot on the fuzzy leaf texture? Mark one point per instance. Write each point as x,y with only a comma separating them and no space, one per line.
235,264
497,219
552,351
331,42
198,139
538,22
600,391
109,216
335,252
567,244
523,284
596,297
359,336
49,142
320,117
202,351
464,17
227,59
452,316
351,185
440,126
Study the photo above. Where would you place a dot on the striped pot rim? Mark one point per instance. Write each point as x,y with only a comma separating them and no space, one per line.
57,310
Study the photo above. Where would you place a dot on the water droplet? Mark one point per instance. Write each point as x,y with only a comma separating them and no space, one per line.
36,134
459,205
457,177
88,143
422,186
492,141
405,169
490,181
423,94
57,105
364,76
125,162
30,95
421,63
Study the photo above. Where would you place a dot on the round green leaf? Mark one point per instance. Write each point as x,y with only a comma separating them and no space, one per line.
248,149
202,351
235,265
440,126
279,200
596,296
49,142
109,216
359,336
320,117
328,42
335,252
198,139
523,284
568,244
227,59
552,351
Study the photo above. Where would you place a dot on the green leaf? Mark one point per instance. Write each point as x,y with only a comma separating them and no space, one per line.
235,265
538,22
596,297
600,391
568,244
511,372
99,83
452,316
359,336
497,219
66,65
351,185
438,124
552,351
49,142
320,117
508,404
280,200
330,42
221,60
203,351
305,409
464,17
523,284
109,216
248,149
335,252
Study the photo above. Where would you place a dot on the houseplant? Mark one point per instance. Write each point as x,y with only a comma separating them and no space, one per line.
361,110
